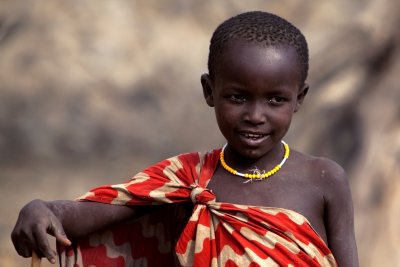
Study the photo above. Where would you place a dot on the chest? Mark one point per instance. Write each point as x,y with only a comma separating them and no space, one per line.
286,189
280,190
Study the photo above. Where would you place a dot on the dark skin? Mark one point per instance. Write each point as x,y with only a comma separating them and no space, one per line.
254,93
59,218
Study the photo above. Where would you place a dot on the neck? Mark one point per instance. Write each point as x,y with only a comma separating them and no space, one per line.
243,163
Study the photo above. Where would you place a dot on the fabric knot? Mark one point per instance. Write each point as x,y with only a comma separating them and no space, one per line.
200,195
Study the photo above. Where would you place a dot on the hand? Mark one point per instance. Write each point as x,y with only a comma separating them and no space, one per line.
34,222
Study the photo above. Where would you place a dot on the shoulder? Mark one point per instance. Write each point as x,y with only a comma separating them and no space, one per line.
324,173
322,165
192,161
338,214
197,157
331,180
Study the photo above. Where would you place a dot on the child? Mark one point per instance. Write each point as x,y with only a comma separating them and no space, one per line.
288,207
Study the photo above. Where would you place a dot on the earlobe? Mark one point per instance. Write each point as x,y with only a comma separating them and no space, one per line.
206,83
300,96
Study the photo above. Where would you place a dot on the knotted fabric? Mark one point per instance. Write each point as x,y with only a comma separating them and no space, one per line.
210,233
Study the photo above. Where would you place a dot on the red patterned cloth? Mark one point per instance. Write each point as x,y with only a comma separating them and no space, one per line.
205,233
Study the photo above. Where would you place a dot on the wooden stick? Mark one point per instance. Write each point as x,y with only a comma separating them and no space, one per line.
36,260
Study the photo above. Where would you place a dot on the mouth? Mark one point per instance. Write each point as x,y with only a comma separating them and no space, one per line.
254,136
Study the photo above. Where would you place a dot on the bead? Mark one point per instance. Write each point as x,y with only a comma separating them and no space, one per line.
264,174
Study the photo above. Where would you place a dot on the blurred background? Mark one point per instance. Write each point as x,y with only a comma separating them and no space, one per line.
93,91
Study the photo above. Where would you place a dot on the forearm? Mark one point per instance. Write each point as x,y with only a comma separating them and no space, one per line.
82,218
65,220
346,254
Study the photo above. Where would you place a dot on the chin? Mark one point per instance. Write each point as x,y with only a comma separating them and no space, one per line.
253,153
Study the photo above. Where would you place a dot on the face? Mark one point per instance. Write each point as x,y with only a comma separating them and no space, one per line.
254,93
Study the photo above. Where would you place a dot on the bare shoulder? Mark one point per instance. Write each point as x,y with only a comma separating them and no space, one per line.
321,170
332,184
321,164
338,206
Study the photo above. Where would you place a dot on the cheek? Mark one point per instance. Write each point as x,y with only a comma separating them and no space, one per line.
283,118
223,117
226,118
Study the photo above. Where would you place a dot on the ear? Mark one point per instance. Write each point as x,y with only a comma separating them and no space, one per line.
207,85
301,95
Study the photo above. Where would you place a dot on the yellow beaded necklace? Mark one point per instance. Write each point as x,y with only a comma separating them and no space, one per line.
257,174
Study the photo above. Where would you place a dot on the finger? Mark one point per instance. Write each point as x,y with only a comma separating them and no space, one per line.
59,233
43,248
21,244
25,251
62,238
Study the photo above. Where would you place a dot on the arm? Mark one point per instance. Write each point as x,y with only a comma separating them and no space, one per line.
339,216
63,218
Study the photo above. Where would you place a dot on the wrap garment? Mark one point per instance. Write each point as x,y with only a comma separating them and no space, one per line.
194,229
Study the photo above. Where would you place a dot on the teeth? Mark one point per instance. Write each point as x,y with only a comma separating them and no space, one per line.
253,136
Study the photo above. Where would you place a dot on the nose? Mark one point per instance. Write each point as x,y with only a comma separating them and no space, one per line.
255,113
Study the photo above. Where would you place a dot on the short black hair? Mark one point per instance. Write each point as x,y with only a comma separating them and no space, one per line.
260,28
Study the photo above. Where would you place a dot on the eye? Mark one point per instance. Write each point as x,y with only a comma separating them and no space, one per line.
237,98
276,100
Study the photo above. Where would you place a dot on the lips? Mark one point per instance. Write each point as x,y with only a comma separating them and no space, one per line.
253,137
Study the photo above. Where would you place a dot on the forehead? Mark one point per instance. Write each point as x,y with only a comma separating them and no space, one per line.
255,61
